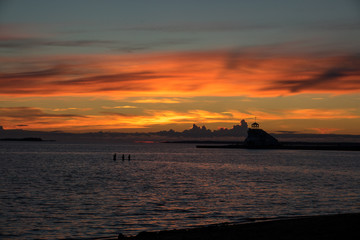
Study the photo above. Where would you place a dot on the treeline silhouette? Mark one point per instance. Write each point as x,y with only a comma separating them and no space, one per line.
196,131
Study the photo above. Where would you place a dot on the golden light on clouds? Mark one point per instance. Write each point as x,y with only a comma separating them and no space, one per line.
304,114
41,120
119,107
139,91
209,73
152,100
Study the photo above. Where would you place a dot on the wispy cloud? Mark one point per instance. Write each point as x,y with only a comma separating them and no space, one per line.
117,107
158,100
130,47
34,117
25,43
70,109
345,75
30,113
59,80
325,130
197,27
15,37
298,114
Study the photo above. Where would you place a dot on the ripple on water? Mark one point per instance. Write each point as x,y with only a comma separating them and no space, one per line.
54,191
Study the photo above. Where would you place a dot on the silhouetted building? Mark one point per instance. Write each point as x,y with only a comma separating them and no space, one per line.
255,125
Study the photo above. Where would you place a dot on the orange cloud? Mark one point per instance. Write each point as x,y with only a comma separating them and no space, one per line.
208,73
39,119
34,118
322,114
162,100
299,114
124,107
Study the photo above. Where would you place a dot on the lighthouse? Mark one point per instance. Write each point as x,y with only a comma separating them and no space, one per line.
255,125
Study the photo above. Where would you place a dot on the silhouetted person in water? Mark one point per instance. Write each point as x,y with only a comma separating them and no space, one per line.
114,157
123,157
129,158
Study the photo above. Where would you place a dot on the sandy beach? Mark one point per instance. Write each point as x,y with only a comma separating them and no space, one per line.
339,226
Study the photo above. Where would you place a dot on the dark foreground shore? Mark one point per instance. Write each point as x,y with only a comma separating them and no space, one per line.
340,226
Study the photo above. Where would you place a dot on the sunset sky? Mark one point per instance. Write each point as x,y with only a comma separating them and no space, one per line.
143,66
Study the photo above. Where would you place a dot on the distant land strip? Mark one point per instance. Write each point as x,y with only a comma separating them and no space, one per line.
29,139
294,146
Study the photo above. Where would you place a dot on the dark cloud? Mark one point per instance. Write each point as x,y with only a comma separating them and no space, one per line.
117,114
133,81
24,43
322,81
191,27
9,42
29,113
111,78
335,26
287,132
250,57
47,81
333,78
31,81
33,74
13,43
124,87
233,26
143,46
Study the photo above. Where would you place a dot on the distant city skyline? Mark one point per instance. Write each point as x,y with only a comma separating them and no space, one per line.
139,66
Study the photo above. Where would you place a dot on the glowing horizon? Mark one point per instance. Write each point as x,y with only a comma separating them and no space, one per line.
147,77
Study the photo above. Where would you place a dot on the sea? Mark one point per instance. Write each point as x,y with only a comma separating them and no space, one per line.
51,190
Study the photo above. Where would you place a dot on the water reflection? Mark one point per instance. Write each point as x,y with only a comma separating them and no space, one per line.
57,191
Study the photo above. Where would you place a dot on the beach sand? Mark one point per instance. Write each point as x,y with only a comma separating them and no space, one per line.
339,226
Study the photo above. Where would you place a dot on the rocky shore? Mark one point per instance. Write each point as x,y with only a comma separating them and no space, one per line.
340,226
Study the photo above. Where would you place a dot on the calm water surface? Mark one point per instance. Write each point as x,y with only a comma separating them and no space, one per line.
56,191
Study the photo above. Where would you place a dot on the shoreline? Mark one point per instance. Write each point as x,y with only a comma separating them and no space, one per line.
292,146
332,226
